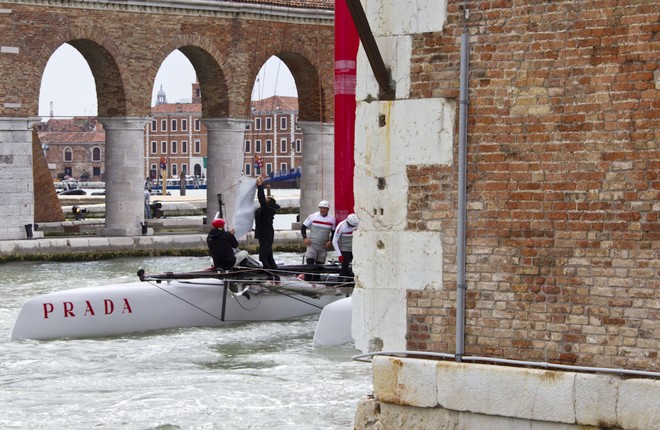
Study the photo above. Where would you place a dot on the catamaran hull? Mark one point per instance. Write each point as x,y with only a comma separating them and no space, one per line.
138,307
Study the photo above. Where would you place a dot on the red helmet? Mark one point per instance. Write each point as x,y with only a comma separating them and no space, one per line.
218,223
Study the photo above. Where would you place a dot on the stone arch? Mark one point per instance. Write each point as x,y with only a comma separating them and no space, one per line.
206,60
311,106
100,54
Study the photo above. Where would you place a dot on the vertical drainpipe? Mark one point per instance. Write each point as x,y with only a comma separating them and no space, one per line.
462,199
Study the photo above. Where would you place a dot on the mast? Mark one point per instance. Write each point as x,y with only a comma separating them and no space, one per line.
346,47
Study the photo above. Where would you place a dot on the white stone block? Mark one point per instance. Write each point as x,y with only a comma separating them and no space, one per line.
6,247
595,400
418,257
398,17
396,53
405,381
79,243
638,404
379,319
512,392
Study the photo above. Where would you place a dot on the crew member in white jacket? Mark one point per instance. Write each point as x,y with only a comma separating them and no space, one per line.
321,226
343,243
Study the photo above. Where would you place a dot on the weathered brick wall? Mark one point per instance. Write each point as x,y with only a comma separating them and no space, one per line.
125,46
563,183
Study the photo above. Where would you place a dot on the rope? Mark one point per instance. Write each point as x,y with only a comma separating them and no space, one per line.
272,288
318,64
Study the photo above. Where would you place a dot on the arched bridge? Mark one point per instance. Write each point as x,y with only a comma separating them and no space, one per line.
125,43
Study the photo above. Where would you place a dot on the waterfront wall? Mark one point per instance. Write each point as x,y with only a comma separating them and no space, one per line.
78,248
419,394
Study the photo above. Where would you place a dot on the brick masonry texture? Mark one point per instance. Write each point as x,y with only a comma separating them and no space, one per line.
563,183
125,46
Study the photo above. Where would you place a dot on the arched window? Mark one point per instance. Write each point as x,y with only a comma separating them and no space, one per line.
96,154
68,154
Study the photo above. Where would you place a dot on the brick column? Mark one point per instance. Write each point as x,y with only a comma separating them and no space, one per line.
17,190
318,167
225,164
124,175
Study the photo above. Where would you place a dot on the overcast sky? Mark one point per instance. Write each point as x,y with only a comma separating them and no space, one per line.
69,85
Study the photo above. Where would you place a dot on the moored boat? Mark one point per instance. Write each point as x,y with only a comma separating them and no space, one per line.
177,300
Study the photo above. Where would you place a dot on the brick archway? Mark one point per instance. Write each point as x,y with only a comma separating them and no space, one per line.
125,45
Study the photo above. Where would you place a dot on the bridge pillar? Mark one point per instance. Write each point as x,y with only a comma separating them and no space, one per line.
124,175
225,164
17,189
318,167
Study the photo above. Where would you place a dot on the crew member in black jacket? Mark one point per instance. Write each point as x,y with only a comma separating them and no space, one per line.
223,246
263,220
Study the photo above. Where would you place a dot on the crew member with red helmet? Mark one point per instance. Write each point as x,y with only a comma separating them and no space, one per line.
223,246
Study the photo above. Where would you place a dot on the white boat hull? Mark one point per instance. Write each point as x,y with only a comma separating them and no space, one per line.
334,325
143,306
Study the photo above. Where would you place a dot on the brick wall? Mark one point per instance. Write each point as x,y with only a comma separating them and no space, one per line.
125,46
563,183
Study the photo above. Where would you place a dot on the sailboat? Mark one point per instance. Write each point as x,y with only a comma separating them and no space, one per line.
207,298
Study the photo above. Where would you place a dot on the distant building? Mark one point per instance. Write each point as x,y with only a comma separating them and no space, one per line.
273,142
74,147
177,136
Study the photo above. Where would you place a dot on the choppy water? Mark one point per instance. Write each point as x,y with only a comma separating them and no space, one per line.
248,376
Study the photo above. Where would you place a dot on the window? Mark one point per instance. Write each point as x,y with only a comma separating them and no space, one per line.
198,125
175,170
96,154
96,171
173,125
163,125
298,145
247,146
184,125
154,125
184,169
248,169
257,145
248,126
154,147
175,147
68,154
184,147
282,146
283,168
257,170
198,146
269,146
283,123
163,147
269,123
257,123
269,168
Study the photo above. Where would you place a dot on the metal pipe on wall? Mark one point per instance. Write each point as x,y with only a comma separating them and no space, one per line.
462,199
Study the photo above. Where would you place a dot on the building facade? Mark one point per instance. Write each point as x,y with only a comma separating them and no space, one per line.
273,141
177,140
74,148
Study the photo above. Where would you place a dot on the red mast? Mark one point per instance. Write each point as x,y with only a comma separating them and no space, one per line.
346,47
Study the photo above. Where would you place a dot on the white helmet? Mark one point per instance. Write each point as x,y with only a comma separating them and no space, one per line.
353,220
324,204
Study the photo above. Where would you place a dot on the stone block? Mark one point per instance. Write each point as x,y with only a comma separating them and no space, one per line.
595,400
405,381
638,405
512,392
